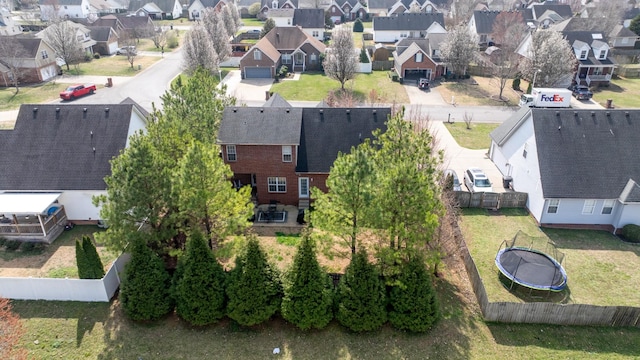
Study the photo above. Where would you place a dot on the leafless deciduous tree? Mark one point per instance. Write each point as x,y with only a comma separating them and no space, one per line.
459,49
131,53
159,37
508,30
61,36
551,56
461,10
341,60
235,15
218,36
229,23
468,119
606,14
12,54
198,52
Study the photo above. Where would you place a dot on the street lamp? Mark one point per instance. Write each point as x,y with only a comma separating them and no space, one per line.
533,83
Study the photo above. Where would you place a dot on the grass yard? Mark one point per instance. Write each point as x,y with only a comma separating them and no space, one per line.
476,138
56,260
480,91
116,65
316,86
35,94
624,92
601,269
252,22
148,45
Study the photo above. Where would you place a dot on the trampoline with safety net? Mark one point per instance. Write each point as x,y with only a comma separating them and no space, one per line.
533,263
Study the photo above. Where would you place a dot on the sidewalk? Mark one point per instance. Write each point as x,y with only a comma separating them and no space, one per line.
91,79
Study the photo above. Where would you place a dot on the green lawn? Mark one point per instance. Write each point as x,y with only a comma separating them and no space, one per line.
316,86
34,94
624,92
252,22
601,269
113,66
475,138
480,91
74,330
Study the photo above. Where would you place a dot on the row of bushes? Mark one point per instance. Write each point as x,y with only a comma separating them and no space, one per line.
24,246
254,291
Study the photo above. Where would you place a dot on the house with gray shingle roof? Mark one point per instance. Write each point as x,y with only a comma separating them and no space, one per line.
106,40
282,152
66,150
481,25
576,165
290,46
32,59
407,25
311,21
277,4
197,6
157,9
64,9
417,58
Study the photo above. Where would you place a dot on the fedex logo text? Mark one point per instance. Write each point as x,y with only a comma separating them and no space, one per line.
554,98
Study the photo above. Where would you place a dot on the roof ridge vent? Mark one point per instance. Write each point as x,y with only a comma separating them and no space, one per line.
84,109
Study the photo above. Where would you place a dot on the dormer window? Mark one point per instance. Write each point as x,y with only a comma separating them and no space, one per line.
602,55
274,4
583,54
257,55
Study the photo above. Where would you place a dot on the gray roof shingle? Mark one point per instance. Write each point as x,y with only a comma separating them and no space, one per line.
53,150
309,18
276,100
260,126
586,154
407,21
561,9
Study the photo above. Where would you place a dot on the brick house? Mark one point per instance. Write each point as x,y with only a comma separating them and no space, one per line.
282,152
35,61
347,10
290,46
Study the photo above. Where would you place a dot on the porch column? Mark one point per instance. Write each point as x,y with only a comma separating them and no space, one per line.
44,232
15,222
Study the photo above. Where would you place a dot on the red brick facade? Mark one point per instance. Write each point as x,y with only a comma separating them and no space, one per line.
426,63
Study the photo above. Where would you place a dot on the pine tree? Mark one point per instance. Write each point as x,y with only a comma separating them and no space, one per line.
84,270
200,296
358,26
413,303
308,290
361,296
254,288
93,259
144,292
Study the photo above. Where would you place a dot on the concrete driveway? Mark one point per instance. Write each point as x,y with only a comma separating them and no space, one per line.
247,91
430,97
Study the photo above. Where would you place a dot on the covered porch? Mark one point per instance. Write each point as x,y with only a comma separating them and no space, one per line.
31,217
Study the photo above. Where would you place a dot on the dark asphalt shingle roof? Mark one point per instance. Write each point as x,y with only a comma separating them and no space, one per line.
631,192
29,44
46,151
407,21
403,44
484,21
260,126
381,4
502,133
277,101
165,5
328,131
588,37
100,33
587,154
309,18
561,9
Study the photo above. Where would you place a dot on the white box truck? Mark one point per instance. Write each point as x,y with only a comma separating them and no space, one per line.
547,98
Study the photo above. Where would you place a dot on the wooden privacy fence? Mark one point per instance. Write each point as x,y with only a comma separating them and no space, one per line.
381,65
65,289
543,312
490,200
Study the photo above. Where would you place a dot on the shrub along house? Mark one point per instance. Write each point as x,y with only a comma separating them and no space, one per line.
56,159
282,152
577,166
290,46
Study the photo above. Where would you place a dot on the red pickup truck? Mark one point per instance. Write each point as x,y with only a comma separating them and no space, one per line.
75,91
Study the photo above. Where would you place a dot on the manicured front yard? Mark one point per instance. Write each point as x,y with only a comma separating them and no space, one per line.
35,94
116,65
475,138
601,269
624,92
316,86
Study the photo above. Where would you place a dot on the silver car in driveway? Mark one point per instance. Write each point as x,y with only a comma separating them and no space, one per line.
456,181
476,180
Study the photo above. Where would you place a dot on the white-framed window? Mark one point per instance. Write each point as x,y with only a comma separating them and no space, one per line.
583,54
525,150
603,54
303,187
257,55
231,153
277,184
597,71
313,58
315,33
286,58
552,207
588,207
286,153
288,21
418,57
44,54
607,206
483,38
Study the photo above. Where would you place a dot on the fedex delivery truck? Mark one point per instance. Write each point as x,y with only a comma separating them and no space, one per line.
547,98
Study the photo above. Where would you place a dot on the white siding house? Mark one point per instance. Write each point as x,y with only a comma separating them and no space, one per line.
72,9
574,165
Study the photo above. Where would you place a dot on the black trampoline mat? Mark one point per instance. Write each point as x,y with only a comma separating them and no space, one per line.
531,268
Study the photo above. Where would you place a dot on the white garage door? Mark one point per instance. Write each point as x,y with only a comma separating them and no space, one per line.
257,72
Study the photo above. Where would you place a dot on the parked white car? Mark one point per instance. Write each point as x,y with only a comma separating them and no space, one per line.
476,180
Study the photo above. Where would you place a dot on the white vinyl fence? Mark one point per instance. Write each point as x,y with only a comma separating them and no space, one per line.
65,289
